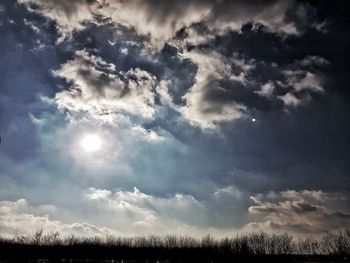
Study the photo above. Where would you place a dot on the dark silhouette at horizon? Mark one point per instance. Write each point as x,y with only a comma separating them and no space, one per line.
252,247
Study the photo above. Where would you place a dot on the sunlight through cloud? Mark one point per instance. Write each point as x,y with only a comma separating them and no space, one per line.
91,142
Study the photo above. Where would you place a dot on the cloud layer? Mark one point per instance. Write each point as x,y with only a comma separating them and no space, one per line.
300,212
134,212
207,112
160,21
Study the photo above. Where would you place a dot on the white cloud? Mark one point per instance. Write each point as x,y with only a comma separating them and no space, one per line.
160,20
266,90
68,15
98,88
124,51
303,83
97,194
20,217
228,191
299,212
309,82
290,100
137,211
200,110
120,213
301,80
311,196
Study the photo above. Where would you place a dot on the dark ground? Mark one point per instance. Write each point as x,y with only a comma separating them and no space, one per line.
253,247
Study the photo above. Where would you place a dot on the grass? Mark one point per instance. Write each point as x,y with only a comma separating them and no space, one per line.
252,247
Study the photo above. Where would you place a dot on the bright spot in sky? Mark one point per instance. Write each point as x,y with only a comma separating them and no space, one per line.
253,120
91,143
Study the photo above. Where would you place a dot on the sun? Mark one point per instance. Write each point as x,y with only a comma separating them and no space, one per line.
91,142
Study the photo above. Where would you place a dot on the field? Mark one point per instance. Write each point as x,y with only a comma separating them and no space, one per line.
252,247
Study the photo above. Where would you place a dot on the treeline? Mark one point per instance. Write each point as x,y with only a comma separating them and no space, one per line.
335,246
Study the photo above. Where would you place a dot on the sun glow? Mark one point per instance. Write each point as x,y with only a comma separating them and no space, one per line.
91,143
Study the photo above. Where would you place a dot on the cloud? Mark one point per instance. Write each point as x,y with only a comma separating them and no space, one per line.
161,20
228,191
290,100
69,16
207,103
145,213
143,209
219,95
228,88
266,90
98,88
150,135
212,75
304,80
123,213
314,61
31,25
135,212
300,211
303,84
20,217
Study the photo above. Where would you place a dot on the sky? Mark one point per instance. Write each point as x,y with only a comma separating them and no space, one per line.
174,117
